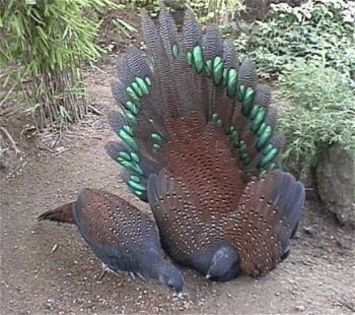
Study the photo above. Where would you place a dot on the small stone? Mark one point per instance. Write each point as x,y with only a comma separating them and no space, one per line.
309,230
54,248
300,308
48,306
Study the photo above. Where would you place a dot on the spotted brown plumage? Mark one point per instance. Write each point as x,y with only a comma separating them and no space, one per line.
199,143
262,224
121,236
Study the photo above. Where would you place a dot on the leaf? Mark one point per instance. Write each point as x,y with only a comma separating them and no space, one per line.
64,113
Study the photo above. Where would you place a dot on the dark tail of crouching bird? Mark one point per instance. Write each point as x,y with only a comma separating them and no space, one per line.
62,214
199,143
121,236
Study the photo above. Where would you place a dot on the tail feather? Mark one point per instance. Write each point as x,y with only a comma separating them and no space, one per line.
262,95
266,219
116,120
212,44
230,57
129,67
192,31
247,76
61,214
168,34
136,169
178,87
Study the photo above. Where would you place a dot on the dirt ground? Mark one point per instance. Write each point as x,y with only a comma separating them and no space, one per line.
47,269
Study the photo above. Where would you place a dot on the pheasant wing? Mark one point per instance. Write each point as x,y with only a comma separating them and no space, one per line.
106,220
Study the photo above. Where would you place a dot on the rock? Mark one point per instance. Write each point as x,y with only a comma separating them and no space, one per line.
256,10
335,177
175,4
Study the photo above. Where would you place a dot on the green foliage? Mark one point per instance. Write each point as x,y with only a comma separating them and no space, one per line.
217,11
322,113
42,49
317,32
124,28
152,6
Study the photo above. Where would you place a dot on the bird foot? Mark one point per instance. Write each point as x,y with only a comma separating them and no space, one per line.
104,271
133,276
136,275
180,295
102,275
140,276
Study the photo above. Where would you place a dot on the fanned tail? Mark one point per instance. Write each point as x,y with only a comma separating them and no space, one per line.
267,216
194,77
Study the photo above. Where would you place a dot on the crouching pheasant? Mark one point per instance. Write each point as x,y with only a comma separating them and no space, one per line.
121,236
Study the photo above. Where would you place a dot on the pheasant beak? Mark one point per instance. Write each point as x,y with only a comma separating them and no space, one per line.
208,274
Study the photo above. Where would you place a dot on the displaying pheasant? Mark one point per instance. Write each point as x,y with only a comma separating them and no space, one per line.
121,236
199,144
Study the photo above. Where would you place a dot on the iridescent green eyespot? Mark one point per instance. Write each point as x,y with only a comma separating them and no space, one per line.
254,112
156,138
264,138
132,94
208,68
217,70
130,117
232,82
148,81
156,147
175,50
136,89
134,157
136,186
242,146
124,155
128,129
241,92
132,107
247,101
267,149
135,178
197,58
269,157
259,119
143,86
261,129
128,164
127,138
189,58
